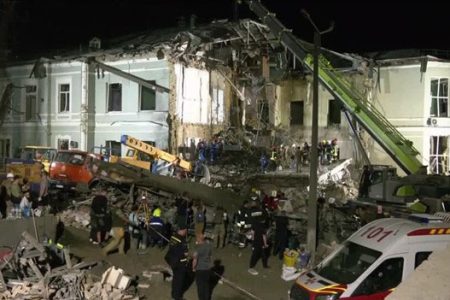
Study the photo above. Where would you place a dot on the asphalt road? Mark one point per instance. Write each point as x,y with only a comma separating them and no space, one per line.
267,285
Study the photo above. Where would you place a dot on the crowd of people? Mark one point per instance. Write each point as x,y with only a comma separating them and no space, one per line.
294,157
18,200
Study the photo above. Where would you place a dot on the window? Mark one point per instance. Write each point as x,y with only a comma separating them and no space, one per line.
439,98
348,263
334,112
297,109
64,98
217,114
63,144
115,148
385,277
115,97
30,102
148,98
421,257
439,163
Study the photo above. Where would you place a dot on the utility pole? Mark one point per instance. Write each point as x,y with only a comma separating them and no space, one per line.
312,236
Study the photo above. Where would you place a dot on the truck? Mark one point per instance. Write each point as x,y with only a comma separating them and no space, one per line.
71,168
372,262
143,155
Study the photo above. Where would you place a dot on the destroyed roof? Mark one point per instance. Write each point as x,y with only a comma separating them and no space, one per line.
408,56
207,42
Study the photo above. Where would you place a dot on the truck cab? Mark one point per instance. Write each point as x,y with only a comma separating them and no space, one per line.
70,168
374,260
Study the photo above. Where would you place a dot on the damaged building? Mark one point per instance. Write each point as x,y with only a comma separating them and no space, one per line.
174,87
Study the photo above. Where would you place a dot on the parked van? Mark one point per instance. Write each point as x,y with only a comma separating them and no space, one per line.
70,168
374,260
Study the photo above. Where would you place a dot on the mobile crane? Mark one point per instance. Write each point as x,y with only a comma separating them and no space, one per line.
153,152
392,141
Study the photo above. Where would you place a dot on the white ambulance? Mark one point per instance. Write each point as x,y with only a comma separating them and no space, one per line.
374,260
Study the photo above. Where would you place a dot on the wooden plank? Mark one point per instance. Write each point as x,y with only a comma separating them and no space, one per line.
67,258
35,268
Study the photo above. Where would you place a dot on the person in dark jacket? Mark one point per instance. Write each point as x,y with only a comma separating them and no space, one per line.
177,258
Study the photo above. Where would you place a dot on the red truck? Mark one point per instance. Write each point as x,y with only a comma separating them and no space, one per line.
70,168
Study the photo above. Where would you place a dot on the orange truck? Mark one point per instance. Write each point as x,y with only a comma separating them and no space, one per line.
70,168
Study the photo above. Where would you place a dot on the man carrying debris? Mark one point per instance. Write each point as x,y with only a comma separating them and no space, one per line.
177,258
117,233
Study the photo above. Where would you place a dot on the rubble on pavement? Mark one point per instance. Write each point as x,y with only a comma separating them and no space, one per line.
37,270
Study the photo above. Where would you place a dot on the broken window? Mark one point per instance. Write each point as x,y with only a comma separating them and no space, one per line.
439,97
334,112
64,98
148,98
115,97
217,109
30,102
297,111
438,161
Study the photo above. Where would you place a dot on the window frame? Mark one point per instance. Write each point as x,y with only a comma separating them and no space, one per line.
67,93
141,88
437,98
33,116
109,97
302,121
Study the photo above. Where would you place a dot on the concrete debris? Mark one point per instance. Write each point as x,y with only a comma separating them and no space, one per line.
79,218
35,270
115,278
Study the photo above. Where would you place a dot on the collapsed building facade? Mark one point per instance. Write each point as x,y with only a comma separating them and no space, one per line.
174,87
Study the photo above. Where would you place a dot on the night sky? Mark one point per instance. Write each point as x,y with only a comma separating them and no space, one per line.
360,26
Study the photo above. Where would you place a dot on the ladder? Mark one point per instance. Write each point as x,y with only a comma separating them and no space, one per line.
388,137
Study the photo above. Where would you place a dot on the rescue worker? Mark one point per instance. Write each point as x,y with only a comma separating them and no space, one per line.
220,227
134,227
156,229
259,247
364,183
177,258
281,234
242,224
298,158
264,163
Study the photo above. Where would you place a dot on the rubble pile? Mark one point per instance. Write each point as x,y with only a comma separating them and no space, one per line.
78,217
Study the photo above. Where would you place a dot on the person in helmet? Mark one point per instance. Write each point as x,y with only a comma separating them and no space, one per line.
156,229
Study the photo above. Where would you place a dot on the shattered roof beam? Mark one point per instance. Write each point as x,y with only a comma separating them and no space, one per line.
131,77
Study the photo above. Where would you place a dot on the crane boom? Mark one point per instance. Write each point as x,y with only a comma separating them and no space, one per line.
153,151
388,137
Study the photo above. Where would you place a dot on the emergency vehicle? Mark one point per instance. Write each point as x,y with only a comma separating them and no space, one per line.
374,260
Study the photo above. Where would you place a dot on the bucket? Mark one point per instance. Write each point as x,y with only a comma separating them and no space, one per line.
290,258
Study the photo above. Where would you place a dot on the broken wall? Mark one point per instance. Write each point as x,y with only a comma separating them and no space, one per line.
202,105
300,90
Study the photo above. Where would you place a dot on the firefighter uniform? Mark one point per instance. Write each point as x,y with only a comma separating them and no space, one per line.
177,258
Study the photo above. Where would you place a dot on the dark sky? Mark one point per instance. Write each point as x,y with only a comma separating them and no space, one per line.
360,26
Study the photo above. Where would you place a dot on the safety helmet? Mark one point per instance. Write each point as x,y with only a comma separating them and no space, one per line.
10,175
157,212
